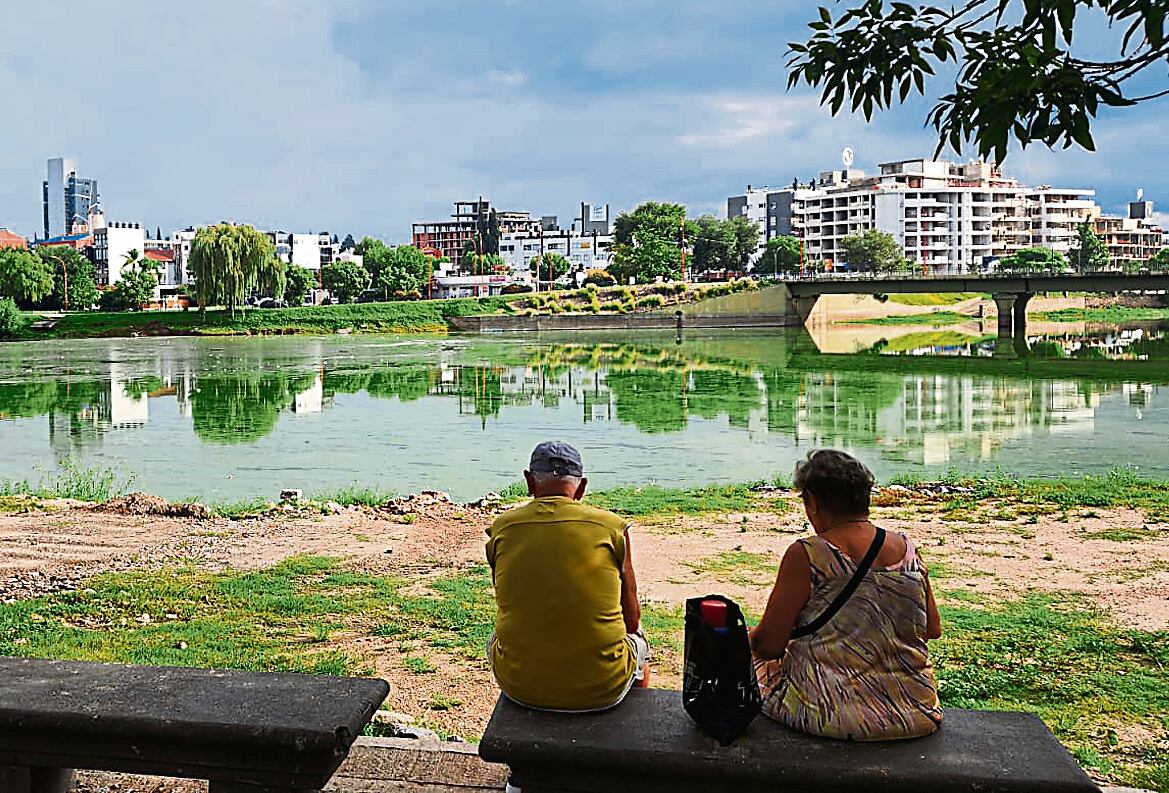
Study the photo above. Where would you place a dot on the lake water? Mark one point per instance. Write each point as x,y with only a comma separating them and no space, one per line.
227,419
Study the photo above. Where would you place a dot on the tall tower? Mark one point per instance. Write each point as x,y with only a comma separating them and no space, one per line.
68,199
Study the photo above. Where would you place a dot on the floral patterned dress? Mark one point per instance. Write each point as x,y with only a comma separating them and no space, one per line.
866,675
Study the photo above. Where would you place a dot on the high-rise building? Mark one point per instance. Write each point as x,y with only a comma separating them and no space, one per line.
68,199
944,215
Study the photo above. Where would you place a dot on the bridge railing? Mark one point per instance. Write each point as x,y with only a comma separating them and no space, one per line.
989,276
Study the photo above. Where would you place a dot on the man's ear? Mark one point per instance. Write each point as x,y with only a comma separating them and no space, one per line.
531,480
580,489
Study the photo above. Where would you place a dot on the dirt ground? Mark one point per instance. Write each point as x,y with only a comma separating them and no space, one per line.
995,550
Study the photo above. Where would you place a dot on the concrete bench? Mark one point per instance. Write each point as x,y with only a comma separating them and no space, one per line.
245,732
649,744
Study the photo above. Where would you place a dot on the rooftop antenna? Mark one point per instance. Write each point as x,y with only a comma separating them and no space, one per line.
847,157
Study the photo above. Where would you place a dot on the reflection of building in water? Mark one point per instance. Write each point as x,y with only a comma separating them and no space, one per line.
932,419
129,406
312,399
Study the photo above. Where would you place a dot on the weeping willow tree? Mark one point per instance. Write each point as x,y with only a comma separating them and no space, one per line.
228,262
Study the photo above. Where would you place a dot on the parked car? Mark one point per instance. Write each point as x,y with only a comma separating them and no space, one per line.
269,302
371,296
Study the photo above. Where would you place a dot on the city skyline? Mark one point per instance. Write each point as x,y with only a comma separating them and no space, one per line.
367,128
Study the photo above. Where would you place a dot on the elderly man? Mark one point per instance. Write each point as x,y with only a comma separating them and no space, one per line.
567,630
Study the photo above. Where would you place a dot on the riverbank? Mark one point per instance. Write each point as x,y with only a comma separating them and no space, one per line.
422,316
1055,593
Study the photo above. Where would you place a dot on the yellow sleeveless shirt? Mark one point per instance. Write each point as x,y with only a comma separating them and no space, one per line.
559,630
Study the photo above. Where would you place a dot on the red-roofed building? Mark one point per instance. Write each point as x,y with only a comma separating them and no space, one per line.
160,256
10,240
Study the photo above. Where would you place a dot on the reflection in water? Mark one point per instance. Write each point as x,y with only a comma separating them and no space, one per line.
710,406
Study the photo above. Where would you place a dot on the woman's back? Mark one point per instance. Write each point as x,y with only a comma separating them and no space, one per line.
865,675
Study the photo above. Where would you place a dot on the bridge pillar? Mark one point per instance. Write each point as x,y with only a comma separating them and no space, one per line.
1006,301
800,307
1019,315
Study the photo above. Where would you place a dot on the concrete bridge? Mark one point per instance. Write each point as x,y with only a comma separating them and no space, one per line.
1011,291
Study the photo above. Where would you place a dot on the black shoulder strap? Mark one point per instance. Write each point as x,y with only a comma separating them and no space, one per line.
846,593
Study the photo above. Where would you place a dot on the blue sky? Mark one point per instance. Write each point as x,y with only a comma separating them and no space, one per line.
363,115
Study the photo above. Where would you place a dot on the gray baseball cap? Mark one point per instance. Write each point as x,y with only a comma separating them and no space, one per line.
556,457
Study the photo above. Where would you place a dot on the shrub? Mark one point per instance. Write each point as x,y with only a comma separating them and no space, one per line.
611,307
650,301
599,278
10,319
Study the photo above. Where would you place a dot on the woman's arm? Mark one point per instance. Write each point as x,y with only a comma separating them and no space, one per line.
933,620
630,605
793,587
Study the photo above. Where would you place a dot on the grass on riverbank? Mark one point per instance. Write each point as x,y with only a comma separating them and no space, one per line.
423,316
1119,488
933,298
1087,679
934,318
1111,314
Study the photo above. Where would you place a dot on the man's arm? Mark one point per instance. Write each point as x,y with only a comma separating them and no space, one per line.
630,605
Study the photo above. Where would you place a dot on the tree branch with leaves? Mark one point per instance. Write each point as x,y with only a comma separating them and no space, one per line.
1019,77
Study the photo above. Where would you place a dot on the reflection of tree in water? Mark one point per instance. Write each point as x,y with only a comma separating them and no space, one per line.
843,407
651,400
81,403
718,391
407,383
479,389
784,388
244,407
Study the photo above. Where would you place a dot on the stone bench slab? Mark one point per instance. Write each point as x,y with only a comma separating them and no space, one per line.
278,730
649,744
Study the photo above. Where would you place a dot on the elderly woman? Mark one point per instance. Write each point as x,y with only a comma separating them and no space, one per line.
863,673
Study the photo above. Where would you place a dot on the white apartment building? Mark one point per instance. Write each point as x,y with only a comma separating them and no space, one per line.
111,245
946,216
584,251
311,251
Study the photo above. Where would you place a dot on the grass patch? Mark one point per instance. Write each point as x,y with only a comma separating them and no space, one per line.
277,619
71,480
738,567
1131,534
655,500
1082,676
1110,314
423,316
933,318
356,495
932,298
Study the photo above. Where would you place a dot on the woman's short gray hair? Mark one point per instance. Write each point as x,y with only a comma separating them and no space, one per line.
841,483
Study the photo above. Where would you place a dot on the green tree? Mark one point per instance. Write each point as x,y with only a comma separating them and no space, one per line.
875,251
346,280
714,245
406,269
1016,74
230,262
10,323
781,255
1037,259
648,242
374,255
298,281
1159,262
746,236
71,271
135,286
549,264
1089,252
24,276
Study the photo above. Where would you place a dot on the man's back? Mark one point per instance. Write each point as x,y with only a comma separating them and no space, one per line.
559,634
